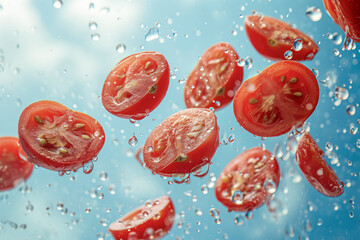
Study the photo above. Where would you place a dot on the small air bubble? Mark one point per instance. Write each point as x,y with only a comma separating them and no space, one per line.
57,3
88,167
351,110
95,36
239,220
298,44
152,34
215,213
120,48
314,14
288,55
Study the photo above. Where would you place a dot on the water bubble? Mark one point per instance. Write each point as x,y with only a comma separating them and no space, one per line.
290,231
93,25
315,72
351,214
23,226
88,167
205,189
270,186
248,62
95,36
103,176
249,215
241,62
341,93
215,213
288,55
237,197
112,188
239,220
336,52
231,138
349,43
314,14
29,207
337,38
353,129
57,3
350,109
152,34
133,141
60,206
198,212
120,48
218,221
87,210
298,44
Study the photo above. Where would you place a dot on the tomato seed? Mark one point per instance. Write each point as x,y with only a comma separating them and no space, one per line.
181,158
63,151
79,125
297,94
253,101
293,80
42,141
38,119
153,89
147,65
85,136
283,78
272,42
220,91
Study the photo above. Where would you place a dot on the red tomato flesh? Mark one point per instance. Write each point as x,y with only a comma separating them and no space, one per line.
136,85
215,79
345,13
272,38
278,99
58,138
248,180
14,167
315,168
151,221
182,143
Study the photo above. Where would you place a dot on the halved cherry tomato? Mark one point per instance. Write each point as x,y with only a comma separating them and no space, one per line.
272,38
248,180
14,167
58,138
215,79
182,143
345,13
136,85
151,221
278,99
315,168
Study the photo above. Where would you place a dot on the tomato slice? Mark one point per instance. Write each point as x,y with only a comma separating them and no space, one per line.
58,138
215,79
315,168
278,99
272,38
182,143
14,167
151,221
345,13
248,180
136,85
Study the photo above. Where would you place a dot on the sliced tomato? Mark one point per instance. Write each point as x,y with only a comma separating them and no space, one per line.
136,85
278,99
248,180
58,138
345,13
14,167
215,79
151,221
272,38
315,168
182,143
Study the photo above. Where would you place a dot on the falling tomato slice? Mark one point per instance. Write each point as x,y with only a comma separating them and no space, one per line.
315,168
277,100
58,138
248,180
136,85
272,38
182,143
14,167
215,79
151,221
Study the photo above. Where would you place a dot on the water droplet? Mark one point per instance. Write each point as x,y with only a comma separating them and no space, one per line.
218,221
351,214
336,52
60,206
133,141
349,43
215,213
248,62
112,188
337,38
237,197
152,34
270,186
341,93
205,189
231,138
93,25
350,109
95,36
239,220
241,62
88,167
103,176
314,14
23,226
29,207
198,212
290,231
298,44
87,210
57,3
120,48
288,55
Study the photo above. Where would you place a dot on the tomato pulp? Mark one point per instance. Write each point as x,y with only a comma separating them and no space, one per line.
277,100
182,143
215,79
345,13
272,38
14,167
58,138
248,180
151,221
315,168
136,85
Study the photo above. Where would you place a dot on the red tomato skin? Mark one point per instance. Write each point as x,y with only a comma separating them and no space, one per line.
231,84
260,39
240,164
196,157
316,170
161,224
81,150
14,167
345,13
147,102
290,113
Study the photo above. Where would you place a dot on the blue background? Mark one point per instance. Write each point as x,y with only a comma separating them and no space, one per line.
51,52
